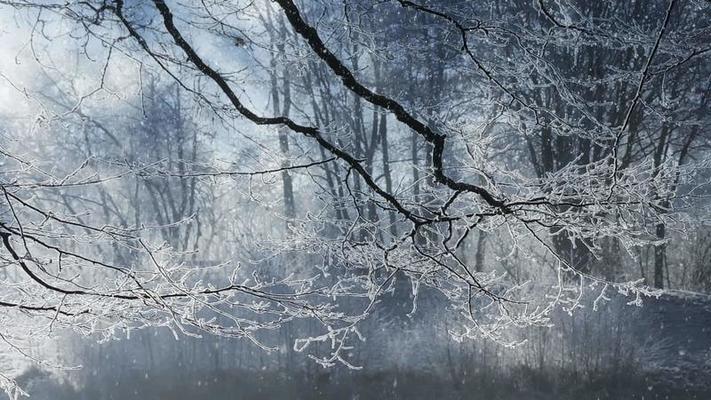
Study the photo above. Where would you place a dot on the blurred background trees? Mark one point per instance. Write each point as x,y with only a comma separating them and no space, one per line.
326,178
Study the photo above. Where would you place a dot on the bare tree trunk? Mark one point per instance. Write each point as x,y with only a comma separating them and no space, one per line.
383,130
480,254
660,257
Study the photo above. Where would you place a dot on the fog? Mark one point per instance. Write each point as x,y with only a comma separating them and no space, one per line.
355,200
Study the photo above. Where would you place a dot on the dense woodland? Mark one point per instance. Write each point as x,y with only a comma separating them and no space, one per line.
355,199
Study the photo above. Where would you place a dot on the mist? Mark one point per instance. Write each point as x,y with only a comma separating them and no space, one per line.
355,200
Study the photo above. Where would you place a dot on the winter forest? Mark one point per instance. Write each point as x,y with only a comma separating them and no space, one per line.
355,199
